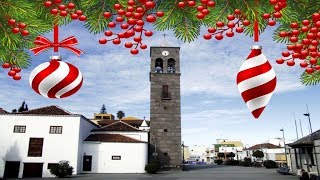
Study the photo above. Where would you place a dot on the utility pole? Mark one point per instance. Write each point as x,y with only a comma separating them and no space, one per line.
295,122
284,145
301,127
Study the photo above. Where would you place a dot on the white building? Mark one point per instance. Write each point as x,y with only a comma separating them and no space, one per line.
198,153
33,141
271,152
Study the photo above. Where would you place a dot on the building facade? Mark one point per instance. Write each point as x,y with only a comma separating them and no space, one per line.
165,106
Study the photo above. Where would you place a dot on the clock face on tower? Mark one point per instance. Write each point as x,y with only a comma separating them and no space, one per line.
165,53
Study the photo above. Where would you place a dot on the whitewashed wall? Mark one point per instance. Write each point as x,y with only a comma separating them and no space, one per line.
134,157
14,146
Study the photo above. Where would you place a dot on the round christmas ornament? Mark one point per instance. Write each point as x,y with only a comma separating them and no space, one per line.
56,79
256,81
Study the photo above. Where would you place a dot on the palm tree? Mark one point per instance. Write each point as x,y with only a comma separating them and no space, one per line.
120,114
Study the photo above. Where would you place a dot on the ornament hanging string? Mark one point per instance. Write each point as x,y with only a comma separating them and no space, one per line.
256,24
44,44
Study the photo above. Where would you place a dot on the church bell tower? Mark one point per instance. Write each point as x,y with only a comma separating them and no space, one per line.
165,107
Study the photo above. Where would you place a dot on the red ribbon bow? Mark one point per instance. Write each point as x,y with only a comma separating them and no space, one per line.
44,44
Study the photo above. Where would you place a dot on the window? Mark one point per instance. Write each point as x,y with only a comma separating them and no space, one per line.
55,130
166,154
52,165
159,65
116,157
171,66
165,92
165,108
19,129
165,130
35,147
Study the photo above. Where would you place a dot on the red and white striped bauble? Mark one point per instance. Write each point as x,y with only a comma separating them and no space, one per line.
56,79
256,81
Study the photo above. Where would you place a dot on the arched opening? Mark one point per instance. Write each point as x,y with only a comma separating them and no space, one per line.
159,65
171,66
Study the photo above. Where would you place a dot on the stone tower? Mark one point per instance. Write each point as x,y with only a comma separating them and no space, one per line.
165,106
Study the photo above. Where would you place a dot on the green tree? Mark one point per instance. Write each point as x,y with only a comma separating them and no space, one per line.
221,155
23,107
231,155
120,114
258,154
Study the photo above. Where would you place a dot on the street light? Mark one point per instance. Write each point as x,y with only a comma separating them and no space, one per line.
182,152
284,145
308,114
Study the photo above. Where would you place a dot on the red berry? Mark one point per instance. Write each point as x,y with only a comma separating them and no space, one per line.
108,33
277,8
310,35
317,24
305,29
200,8
131,2
116,41
121,35
293,39
15,30
17,77
131,21
271,22
283,34
200,16
124,26
313,61
305,41
280,61
128,45
11,73
230,34
150,19
140,10
121,12
137,39
63,13
160,14
143,46
295,55
131,9
140,23
16,69
71,6
11,22
150,4
79,12
316,17
207,36
295,32
285,54
291,47
205,11
313,30
314,43
137,15
317,67
277,15
134,51
102,41
22,25
47,3
57,1
231,25
237,11
117,6
138,28
211,30
230,17
312,48
266,16
204,1
62,7
313,54
291,63
239,30
119,19
128,14
25,33
309,70
303,64
294,25
282,4
306,22
130,33
148,33
54,11
5,65
74,16
107,14
181,4
219,36
211,4
83,18
246,22
220,24
273,1
191,3
112,25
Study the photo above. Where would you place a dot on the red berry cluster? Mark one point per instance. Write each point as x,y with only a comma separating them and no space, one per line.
278,6
14,71
64,10
131,20
307,48
18,27
202,7
236,22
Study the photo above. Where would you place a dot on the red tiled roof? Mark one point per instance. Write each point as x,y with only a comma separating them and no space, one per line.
264,146
131,122
117,126
2,111
111,138
48,110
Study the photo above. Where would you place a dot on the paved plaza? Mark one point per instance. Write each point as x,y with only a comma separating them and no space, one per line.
215,173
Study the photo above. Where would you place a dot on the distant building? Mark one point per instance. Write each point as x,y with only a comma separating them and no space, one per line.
198,153
271,152
232,142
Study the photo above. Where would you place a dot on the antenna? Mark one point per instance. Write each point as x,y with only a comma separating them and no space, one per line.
301,127
164,42
295,122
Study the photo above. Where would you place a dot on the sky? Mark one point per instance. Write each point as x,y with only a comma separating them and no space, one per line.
211,105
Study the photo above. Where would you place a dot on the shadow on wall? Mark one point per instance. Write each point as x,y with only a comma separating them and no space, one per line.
162,157
13,153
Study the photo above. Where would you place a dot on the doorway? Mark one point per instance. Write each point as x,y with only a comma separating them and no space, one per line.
87,163
11,169
32,170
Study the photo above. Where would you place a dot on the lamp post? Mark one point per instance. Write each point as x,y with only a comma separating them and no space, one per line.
182,152
308,114
284,145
